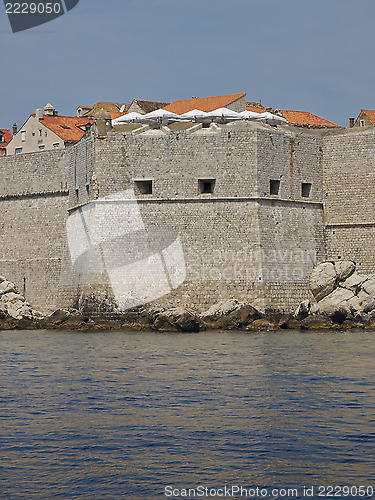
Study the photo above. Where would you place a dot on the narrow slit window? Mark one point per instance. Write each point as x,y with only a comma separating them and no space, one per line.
274,187
206,185
306,189
144,186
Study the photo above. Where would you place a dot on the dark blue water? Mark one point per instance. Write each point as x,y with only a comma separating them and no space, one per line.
115,415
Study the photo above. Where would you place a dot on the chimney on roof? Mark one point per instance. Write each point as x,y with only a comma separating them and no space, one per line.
49,110
14,128
39,114
351,122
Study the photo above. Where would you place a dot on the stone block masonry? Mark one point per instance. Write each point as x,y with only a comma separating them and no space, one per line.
33,208
349,187
255,208
212,186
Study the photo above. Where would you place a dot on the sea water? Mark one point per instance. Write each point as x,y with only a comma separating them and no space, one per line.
112,415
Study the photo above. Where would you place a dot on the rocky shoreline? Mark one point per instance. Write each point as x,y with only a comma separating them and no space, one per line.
340,299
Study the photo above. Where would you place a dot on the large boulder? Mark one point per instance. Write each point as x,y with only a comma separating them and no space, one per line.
369,285
177,318
354,282
323,280
366,301
316,322
229,314
13,303
15,312
344,269
335,301
7,287
303,310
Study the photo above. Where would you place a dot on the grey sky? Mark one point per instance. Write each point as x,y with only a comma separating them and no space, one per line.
315,56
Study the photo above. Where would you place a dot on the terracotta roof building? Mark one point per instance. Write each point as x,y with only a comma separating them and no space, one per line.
47,131
143,107
5,138
306,119
234,102
115,109
255,107
366,118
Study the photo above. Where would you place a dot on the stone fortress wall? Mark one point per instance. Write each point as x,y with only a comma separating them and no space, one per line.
33,208
348,193
238,240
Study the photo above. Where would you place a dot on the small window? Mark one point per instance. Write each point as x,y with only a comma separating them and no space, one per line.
2,138
144,186
206,185
23,135
274,187
306,189
45,133
56,145
77,196
361,123
18,151
40,132
42,148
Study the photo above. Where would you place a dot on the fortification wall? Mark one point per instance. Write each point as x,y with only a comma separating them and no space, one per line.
291,221
349,186
239,240
229,236
33,208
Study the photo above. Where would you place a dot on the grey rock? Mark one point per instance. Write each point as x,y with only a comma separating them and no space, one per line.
178,318
12,297
367,302
229,314
57,317
7,287
353,282
322,280
355,304
335,301
344,268
369,285
317,322
361,317
303,310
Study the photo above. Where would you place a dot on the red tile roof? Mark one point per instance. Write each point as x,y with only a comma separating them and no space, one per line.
116,114
305,118
370,113
256,109
66,127
7,137
203,103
